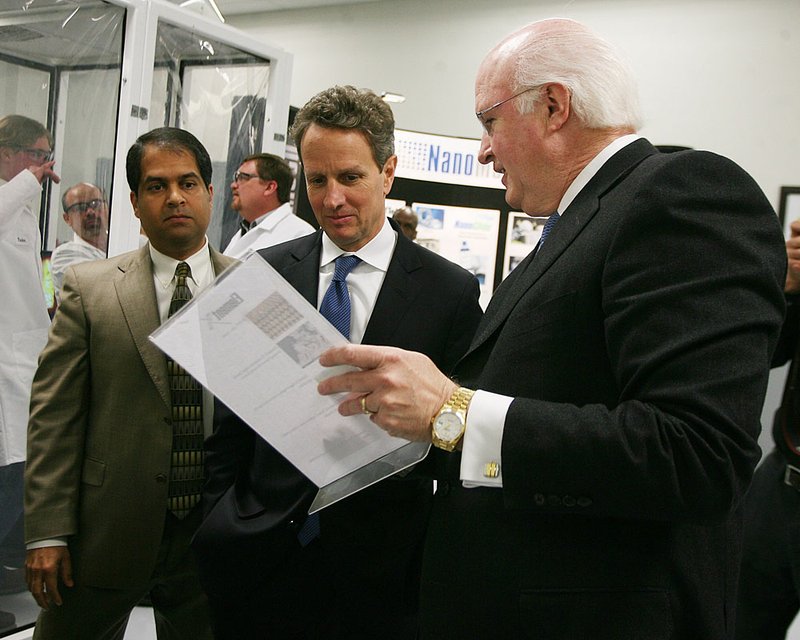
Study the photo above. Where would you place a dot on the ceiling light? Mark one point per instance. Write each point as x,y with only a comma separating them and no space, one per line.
388,96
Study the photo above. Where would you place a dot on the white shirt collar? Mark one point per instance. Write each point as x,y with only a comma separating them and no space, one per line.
593,167
199,263
376,253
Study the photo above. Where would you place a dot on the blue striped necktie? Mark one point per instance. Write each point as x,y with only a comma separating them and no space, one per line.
336,308
336,302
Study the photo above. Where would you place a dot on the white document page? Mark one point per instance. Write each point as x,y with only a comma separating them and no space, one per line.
254,342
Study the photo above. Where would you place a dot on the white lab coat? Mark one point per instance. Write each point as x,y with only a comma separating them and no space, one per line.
277,226
23,312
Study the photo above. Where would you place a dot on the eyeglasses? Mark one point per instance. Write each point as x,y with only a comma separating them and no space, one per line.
482,112
39,155
241,176
83,207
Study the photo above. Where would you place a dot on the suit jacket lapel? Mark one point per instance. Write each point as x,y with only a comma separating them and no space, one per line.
574,219
135,288
399,288
303,274
219,262
137,298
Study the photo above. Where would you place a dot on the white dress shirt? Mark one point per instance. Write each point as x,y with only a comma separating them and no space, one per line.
69,253
365,280
486,417
274,227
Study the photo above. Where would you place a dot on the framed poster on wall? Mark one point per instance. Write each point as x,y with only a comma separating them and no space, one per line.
790,208
522,235
463,235
393,205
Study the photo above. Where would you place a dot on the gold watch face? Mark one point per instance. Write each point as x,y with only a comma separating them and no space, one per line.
448,426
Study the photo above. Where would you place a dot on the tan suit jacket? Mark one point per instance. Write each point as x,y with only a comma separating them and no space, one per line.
99,436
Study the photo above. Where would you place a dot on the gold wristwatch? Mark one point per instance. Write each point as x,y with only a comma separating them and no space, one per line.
448,425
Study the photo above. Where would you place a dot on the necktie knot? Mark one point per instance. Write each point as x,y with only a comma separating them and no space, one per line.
344,265
182,271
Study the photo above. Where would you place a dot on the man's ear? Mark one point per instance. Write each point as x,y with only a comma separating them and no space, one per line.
558,100
271,187
135,203
388,174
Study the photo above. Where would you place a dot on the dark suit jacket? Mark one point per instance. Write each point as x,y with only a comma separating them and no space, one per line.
255,500
100,434
637,346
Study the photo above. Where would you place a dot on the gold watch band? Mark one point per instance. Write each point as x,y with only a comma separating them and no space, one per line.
460,400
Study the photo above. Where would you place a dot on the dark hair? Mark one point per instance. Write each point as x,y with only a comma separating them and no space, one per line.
271,167
19,131
170,138
350,108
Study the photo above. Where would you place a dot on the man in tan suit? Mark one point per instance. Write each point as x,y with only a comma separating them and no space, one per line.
101,464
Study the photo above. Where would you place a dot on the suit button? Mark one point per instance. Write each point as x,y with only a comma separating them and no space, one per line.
568,501
539,500
553,501
161,478
583,501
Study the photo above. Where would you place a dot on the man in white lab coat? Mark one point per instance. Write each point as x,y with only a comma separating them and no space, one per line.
25,150
261,189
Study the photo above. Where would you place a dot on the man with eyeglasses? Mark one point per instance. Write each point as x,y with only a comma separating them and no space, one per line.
598,435
25,148
86,212
261,189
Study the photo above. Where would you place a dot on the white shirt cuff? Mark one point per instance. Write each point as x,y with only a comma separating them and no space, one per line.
483,440
54,542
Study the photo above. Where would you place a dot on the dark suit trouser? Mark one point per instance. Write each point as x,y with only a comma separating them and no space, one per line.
769,585
180,607
311,596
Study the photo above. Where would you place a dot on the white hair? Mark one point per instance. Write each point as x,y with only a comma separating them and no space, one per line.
601,84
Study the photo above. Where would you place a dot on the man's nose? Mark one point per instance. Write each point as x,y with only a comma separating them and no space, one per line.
485,155
174,194
334,196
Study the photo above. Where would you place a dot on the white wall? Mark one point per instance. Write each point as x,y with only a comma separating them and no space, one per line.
713,74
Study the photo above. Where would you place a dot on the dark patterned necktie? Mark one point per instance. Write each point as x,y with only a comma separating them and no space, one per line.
336,308
186,465
548,227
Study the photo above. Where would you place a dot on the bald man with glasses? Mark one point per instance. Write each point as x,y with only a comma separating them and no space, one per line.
86,212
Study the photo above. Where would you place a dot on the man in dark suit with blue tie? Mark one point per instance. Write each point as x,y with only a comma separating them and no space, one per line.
603,426
353,571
